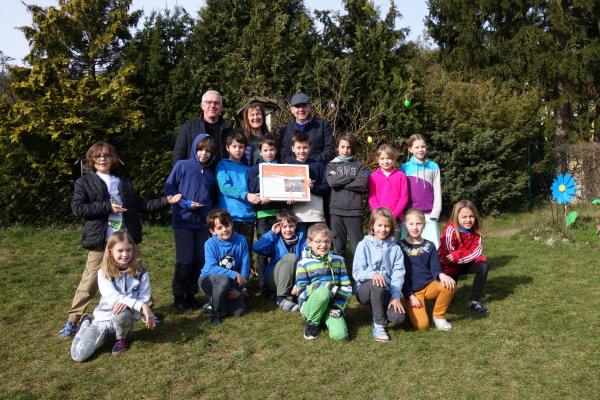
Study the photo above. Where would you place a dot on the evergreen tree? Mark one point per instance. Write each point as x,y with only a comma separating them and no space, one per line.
74,93
552,44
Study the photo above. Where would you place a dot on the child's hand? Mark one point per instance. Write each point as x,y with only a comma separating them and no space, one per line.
294,291
195,205
291,202
233,294
378,280
447,281
253,198
414,302
332,172
449,257
276,228
174,198
396,305
265,200
241,281
117,208
335,313
150,319
311,183
119,308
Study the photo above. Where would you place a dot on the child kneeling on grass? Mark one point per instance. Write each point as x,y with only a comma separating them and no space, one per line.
322,285
125,289
378,271
284,247
226,268
424,278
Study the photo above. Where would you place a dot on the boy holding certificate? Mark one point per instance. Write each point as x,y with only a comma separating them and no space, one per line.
313,211
266,212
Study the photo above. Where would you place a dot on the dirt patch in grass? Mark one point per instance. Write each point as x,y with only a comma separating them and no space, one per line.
504,232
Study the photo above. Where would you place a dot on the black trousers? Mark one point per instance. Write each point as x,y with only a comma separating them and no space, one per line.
343,228
217,287
480,269
189,260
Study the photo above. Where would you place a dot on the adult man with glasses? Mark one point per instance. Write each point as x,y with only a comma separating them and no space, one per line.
210,122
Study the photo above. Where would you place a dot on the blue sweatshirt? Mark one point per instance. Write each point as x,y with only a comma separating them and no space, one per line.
272,245
422,265
382,256
215,250
196,182
232,178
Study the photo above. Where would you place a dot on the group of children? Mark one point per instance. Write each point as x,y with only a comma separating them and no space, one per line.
300,259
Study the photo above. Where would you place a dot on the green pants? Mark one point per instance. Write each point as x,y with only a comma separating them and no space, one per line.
281,279
316,308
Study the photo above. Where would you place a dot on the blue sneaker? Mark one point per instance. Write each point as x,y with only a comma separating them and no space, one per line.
379,333
68,330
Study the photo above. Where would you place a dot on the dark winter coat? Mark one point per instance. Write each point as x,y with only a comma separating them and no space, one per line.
322,142
91,203
191,129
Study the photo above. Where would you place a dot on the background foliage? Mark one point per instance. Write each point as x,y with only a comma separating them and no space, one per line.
505,80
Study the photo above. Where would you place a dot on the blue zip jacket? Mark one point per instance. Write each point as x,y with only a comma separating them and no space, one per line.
232,178
216,250
272,245
196,182
382,256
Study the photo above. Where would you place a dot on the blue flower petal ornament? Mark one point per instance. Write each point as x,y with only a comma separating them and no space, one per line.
563,189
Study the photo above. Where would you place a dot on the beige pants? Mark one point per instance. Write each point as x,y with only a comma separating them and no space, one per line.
88,286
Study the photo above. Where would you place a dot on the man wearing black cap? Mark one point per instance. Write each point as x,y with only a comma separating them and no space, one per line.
322,142
210,122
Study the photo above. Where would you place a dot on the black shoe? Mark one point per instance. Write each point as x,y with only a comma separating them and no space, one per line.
478,307
192,302
310,331
215,319
182,306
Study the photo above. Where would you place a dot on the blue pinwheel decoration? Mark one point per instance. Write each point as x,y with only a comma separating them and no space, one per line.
563,188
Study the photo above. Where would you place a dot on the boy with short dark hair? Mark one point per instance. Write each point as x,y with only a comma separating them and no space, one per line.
195,180
311,212
226,269
234,196
284,246
323,286
266,212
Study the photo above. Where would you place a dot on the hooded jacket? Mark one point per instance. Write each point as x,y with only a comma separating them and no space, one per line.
348,185
196,182
382,256
232,178
195,127
424,185
272,245
91,203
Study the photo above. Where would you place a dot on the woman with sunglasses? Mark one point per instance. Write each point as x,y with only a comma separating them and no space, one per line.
106,202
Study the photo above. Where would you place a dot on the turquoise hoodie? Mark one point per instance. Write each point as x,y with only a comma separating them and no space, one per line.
233,186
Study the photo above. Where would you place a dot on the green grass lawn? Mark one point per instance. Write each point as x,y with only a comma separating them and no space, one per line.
540,339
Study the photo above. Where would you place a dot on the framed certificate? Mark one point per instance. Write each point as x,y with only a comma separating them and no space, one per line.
284,182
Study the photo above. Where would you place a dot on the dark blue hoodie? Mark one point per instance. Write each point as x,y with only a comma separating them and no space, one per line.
196,182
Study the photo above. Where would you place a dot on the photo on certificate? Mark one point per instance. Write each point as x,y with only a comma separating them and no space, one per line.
284,182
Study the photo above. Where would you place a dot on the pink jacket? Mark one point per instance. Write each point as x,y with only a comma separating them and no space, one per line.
388,191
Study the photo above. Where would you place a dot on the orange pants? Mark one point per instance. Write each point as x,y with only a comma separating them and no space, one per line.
434,291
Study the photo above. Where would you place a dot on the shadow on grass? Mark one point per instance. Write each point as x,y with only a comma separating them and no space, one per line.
500,261
496,289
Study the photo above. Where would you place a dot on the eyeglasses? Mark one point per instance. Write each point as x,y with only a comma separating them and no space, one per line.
212,103
318,243
105,156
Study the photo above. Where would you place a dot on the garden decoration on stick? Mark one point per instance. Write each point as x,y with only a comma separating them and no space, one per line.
563,192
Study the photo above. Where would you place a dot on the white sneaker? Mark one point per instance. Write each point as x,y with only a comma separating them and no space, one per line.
442,324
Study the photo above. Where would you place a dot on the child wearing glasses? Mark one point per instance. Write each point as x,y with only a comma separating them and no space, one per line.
106,202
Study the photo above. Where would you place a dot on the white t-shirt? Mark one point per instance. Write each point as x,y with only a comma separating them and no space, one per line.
115,221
